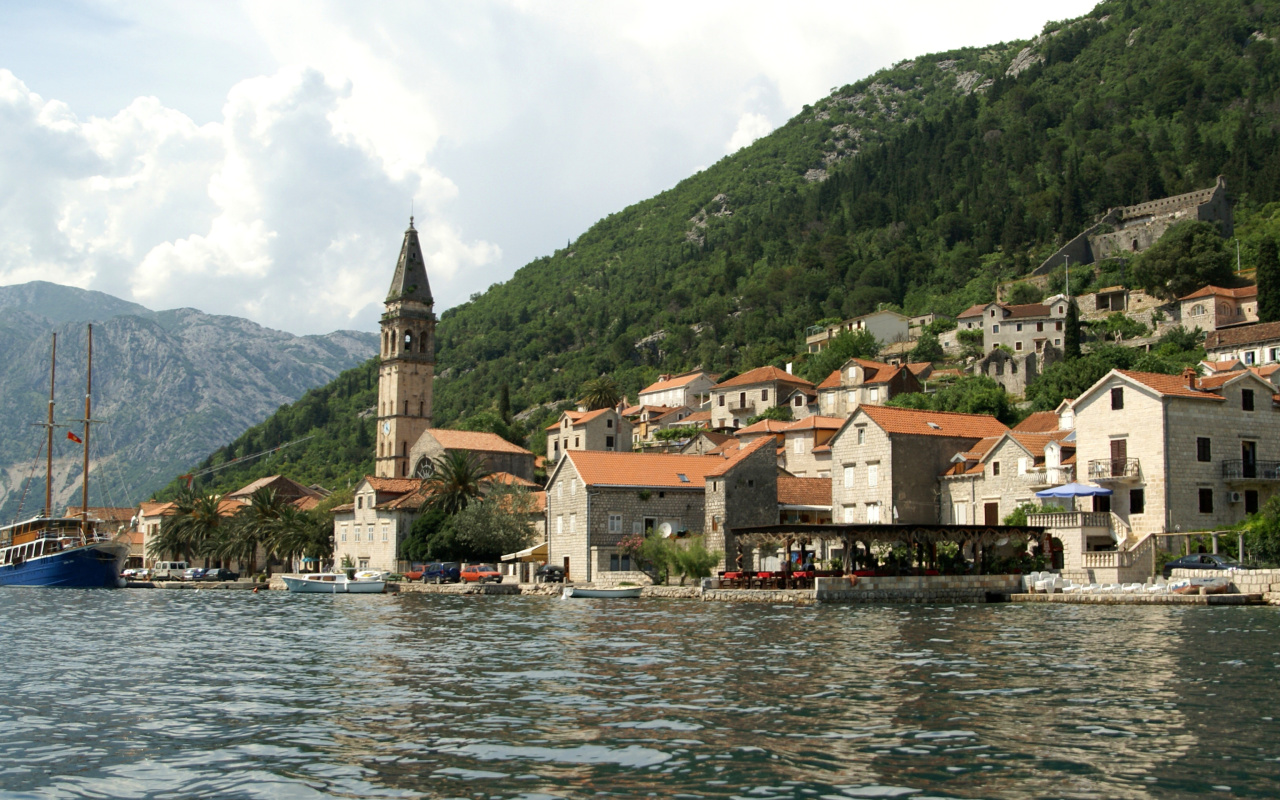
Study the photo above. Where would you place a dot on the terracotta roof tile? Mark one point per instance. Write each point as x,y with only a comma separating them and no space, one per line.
1027,310
1244,292
696,418
730,459
104,513
1225,365
152,509
393,485
933,423
884,375
764,375
345,507
1218,380
973,311
286,487
832,381
822,448
675,382
1167,385
475,440
1038,422
918,367
804,491
1243,334
657,470
816,422
764,426
509,479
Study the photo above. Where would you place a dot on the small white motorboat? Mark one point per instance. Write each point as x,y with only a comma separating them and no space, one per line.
333,583
581,591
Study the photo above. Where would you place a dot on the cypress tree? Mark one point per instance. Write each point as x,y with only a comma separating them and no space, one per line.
1268,281
504,403
1071,337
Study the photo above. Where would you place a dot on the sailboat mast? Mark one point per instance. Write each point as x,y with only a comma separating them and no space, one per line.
88,393
48,428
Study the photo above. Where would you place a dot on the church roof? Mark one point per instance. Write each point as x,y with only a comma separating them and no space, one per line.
410,281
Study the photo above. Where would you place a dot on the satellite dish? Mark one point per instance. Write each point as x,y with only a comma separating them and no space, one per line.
665,530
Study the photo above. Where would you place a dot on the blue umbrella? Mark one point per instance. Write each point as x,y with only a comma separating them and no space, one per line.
1074,490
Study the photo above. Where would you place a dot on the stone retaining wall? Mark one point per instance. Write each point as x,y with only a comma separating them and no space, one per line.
1143,599
792,596
917,589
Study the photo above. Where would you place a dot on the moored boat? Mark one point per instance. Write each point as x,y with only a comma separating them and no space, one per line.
621,591
332,583
1216,585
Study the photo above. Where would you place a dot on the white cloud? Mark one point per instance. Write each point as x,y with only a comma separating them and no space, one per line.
751,126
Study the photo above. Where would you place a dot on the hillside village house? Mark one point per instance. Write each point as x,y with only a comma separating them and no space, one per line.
806,446
1213,307
1252,345
860,381
602,429
736,400
648,420
1022,328
688,389
999,473
595,499
887,326
1179,452
886,461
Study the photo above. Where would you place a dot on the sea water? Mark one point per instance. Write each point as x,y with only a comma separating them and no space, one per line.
176,694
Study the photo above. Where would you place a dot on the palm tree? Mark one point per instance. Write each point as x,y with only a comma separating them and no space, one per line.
600,392
300,533
455,481
255,525
193,527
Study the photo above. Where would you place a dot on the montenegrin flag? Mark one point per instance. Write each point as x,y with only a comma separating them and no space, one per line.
74,438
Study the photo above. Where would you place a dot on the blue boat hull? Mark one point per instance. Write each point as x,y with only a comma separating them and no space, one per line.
95,566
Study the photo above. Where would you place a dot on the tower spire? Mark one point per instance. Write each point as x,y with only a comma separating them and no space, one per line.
410,280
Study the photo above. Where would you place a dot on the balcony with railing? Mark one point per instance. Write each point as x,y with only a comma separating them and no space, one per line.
749,407
1098,520
1241,470
1114,469
1050,476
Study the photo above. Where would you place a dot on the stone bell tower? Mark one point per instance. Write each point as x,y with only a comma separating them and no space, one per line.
408,361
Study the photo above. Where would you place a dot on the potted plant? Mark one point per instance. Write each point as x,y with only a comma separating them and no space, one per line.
348,568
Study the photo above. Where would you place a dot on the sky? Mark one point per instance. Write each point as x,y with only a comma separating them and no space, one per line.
262,159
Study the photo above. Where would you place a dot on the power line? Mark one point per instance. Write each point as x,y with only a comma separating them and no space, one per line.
190,476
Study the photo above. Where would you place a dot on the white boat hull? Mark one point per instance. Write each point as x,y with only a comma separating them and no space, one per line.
332,584
578,591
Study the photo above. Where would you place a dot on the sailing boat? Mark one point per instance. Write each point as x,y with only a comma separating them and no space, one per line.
62,551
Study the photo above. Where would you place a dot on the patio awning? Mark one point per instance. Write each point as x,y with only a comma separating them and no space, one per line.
1074,490
536,553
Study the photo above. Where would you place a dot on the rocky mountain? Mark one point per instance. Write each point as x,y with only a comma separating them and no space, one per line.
169,386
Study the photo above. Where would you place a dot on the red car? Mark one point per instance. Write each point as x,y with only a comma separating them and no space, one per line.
479,573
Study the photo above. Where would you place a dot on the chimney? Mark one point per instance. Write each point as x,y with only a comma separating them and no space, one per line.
1189,375
788,367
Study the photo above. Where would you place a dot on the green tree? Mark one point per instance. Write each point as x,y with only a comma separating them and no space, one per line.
497,525
971,394
601,392
1262,534
490,421
1268,279
927,348
1188,256
431,538
1119,326
970,342
194,526
691,559
456,479
850,344
1065,380
1071,334
776,413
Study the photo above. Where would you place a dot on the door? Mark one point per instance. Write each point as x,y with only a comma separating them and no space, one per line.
1251,501
1102,504
992,512
1249,459
1119,457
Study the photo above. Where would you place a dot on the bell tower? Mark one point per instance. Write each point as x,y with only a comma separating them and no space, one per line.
408,361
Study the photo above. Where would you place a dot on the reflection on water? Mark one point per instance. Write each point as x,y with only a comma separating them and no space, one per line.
229,694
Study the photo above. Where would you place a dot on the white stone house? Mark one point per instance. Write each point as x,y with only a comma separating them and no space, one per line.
369,529
603,429
736,400
1255,345
691,389
886,326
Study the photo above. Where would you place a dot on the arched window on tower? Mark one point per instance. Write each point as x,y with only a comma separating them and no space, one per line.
406,408
408,341
404,449
422,408
422,344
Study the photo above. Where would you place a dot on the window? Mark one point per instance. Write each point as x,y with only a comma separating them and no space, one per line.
862,435
615,523
848,477
1057,343
1022,466
1117,399
875,395
1206,501
608,423
1137,501
1204,451
359,502
764,395
1039,327
344,534
573,487
385,529
560,491
995,328
1017,345
742,399
873,475
848,514
799,448
1197,311
1058,326
873,513
1246,399
1018,327
995,468
575,441
1273,354
1250,357
722,401
1251,501
608,442
799,401
683,479
573,524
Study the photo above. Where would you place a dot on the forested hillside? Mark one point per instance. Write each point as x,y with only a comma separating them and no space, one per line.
917,188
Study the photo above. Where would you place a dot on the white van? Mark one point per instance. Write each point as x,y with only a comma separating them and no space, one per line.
168,570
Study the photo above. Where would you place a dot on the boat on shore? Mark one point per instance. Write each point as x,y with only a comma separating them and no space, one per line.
70,551
1216,585
582,591
332,583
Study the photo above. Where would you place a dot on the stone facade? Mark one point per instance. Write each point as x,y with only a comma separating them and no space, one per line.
746,494
886,326
917,589
736,400
495,453
1252,345
1213,307
1014,371
368,531
1005,479
861,381
689,389
604,429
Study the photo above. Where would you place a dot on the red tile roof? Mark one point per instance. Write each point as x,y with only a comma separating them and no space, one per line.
675,382
656,470
731,459
152,509
918,367
572,415
509,479
695,418
1244,292
286,487
393,485
933,423
1027,310
475,440
1243,334
1217,380
764,426
1038,422
816,422
1225,365
1168,385
832,381
973,311
804,491
884,375
104,513
764,375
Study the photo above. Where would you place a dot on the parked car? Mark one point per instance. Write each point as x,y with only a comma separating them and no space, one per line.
194,574
143,574
414,573
481,573
221,574
441,572
1203,561
549,573
129,573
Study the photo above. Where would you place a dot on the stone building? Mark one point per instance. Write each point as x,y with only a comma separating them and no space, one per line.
602,429
408,356
887,326
806,446
1014,371
860,381
743,491
369,529
886,461
1213,307
1023,328
735,400
1254,345
1132,229
1181,453
999,473
493,452
690,389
